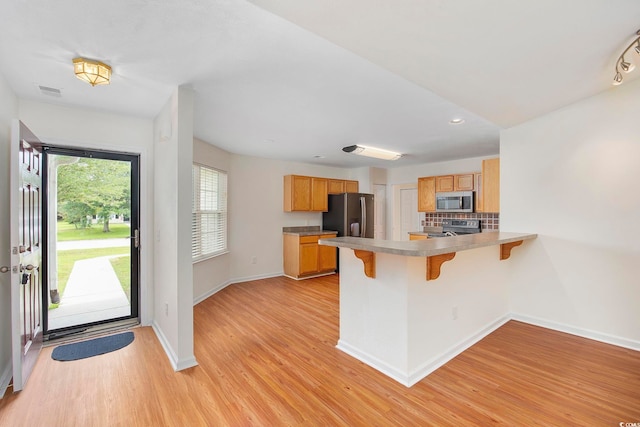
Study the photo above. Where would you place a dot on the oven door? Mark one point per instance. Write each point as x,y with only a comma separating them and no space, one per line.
459,201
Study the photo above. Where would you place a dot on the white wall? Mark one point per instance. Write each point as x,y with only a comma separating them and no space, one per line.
8,111
212,274
572,177
256,215
173,285
84,128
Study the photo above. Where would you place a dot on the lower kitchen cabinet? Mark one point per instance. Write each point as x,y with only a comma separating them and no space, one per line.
303,257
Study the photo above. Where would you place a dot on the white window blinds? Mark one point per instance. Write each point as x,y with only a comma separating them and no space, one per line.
209,227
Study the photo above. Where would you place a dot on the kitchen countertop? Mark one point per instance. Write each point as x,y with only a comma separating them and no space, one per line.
307,231
428,247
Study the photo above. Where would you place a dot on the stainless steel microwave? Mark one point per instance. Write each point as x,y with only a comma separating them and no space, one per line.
456,201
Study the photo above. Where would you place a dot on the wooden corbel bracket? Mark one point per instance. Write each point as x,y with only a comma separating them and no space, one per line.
369,260
434,263
505,249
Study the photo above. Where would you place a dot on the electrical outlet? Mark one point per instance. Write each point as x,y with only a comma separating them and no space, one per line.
166,309
454,312
254,260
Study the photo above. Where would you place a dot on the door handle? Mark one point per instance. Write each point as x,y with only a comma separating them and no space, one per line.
136,238
4,269
28,267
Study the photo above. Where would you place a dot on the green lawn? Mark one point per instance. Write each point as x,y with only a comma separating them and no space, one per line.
69,232
66,259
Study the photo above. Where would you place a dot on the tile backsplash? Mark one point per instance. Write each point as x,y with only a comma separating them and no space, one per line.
488,221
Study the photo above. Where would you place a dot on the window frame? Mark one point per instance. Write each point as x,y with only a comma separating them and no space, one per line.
196,210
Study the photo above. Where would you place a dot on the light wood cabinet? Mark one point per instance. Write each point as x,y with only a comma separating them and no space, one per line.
444,183
304,258
305,193
491,185
351,186
463,182
319,193
479,205
337,186
427,194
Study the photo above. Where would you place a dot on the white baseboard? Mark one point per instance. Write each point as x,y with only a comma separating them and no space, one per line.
374,362
409,379
580,332
212,291
5,379
176,364
438,361
221,286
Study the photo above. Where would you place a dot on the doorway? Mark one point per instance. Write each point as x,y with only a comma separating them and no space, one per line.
90,239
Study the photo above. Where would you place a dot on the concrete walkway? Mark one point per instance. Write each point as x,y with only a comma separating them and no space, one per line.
93,293
91,244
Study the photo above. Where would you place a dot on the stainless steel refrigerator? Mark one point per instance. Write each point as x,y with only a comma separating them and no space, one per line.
350,214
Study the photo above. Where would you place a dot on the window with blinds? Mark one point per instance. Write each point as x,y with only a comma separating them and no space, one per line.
209,227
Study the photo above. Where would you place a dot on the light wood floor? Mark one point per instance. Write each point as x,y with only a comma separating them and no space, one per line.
267,357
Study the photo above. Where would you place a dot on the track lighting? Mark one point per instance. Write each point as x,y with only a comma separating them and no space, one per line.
627,67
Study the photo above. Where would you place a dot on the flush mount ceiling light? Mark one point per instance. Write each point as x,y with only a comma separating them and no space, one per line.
377,153
623,65
456,121
93,72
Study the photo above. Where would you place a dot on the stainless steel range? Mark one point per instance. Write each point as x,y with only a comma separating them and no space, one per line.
458,227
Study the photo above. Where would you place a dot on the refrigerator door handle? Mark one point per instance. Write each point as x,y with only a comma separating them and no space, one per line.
363,210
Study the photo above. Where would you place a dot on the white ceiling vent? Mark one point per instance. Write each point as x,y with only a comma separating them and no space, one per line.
50,91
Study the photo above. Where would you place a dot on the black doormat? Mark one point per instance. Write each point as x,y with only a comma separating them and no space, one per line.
94,347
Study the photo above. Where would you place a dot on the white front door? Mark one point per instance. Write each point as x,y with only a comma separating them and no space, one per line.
26,238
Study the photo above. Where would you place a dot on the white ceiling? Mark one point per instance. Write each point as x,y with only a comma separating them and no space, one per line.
315,76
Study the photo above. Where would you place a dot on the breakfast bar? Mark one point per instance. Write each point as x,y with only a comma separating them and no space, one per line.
407,307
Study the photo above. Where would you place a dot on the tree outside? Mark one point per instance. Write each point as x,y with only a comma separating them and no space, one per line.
94,187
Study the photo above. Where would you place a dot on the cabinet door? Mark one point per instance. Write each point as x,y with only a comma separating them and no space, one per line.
308,258
336,186
327,256
417,237
477,177
491,185
463,182
297,193
351,186
444,183
427,194
319,200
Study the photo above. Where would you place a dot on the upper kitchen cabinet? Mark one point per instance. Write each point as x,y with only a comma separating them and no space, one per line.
305,193
444,183
427,194
461,182
490,185
337,186
351,186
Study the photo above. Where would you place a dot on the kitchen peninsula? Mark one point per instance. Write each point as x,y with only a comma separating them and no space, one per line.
407,307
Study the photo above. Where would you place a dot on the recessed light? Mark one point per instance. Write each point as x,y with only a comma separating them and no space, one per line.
456,121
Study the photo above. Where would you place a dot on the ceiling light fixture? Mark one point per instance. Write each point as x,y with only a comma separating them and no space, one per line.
627,67
377,153
456,121
93,72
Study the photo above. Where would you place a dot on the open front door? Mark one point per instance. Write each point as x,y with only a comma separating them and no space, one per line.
26,283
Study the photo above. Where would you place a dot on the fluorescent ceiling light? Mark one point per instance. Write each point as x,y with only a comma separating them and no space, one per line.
377,153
